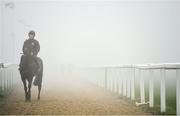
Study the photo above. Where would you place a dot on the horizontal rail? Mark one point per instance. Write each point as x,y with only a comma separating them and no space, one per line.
145,66
115,80
7,65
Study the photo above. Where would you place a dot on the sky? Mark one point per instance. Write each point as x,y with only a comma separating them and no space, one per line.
100,32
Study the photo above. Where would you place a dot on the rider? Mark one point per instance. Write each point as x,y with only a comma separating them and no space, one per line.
31,47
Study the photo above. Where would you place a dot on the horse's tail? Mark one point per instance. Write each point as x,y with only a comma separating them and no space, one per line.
39,73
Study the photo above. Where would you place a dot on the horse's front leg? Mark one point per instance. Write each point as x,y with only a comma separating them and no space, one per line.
29,89
39,90
25,88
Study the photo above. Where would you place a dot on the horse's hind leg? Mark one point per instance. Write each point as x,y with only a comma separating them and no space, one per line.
39,91
25,88
39,77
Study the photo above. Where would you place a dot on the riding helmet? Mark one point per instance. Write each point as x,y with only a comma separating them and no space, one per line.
31,32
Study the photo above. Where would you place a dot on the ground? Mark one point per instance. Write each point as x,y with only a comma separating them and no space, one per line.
68,96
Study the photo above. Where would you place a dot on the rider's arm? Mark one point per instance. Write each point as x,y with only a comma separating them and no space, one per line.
37,48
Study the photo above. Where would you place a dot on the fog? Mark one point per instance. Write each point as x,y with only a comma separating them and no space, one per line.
103,32
75,35
81,33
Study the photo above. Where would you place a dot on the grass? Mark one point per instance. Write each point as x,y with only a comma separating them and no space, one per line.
5,92
170,97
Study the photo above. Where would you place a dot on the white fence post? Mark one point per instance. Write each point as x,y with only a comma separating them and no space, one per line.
132,84
151,89
114,80
163,91
12,76
120,82
142,93
7,77
128,84
117,81
124,85
109,76
178,92
105,80
109,80
1,79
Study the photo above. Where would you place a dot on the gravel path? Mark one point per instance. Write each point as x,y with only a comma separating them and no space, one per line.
69,96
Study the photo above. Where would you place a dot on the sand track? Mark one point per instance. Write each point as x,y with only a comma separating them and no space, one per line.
69,96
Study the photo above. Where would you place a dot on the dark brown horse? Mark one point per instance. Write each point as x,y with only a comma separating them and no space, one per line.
31,68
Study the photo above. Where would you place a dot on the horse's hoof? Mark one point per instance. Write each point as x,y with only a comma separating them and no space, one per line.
28,100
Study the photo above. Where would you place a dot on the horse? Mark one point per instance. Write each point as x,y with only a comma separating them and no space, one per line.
29,69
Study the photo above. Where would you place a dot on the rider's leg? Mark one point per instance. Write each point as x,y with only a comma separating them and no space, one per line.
36,61
21,62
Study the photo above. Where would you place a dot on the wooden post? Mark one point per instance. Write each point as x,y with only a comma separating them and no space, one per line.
178,92
132,84
163,91
151,89
142,93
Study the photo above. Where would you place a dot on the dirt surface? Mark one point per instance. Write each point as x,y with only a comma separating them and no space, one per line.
67,96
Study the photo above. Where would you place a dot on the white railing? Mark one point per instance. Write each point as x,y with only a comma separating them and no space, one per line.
115,79
9,76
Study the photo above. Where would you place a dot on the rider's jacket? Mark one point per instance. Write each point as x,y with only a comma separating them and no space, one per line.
31,47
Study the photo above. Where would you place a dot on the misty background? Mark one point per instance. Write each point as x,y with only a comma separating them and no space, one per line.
97,32
77,37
